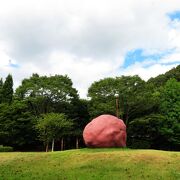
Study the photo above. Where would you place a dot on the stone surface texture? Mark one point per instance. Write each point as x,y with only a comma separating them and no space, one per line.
105,131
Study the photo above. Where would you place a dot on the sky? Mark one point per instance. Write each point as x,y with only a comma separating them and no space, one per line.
88,39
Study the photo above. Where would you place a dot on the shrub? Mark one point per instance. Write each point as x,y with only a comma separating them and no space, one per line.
140,144
145,132
6,148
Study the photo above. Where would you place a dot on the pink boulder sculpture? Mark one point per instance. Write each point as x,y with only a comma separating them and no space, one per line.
105,131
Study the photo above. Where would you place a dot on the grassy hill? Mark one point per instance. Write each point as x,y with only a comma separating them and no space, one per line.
85,164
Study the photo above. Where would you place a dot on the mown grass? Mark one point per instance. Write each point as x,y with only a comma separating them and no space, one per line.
87,164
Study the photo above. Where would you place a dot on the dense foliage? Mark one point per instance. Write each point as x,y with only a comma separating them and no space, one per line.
53,126
6,148
45,110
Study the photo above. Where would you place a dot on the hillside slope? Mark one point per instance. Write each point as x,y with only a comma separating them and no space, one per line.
88,164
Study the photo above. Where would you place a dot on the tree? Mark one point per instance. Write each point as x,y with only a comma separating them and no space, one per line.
161,79
160,131
102,97
1,88
170,107
130,90
145,132
16,125
170,100
48,94
53,126
80,120
7,90
51,94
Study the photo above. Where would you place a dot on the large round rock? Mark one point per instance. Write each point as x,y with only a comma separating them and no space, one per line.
105,131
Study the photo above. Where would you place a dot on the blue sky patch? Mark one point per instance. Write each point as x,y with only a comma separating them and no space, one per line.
174,15
137,55
13,65
133,56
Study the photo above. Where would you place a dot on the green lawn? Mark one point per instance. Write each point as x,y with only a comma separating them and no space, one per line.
85,164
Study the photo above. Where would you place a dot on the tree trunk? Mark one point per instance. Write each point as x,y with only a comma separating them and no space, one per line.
77,143
62,144
47,147
52,145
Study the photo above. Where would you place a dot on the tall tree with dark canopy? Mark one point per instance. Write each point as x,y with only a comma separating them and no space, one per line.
48,94
130,90
146,132
54,94
161,79
7,90
81,118
170,108
16,125
1,88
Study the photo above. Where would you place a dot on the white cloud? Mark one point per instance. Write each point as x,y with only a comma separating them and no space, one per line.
87,40
82,71
172,58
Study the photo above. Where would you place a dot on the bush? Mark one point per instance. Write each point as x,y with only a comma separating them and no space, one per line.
6,148
140,144
145,132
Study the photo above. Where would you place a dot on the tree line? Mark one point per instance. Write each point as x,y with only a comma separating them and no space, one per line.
46,112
